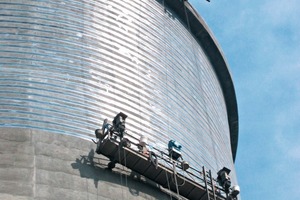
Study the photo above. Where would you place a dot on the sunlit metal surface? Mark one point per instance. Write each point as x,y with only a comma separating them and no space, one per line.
67,65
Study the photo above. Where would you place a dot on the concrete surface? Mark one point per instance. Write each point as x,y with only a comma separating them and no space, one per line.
39,165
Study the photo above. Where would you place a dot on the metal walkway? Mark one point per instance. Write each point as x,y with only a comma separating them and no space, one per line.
190,184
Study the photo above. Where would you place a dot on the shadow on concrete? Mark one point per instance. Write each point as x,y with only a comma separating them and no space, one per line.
87,168
95,168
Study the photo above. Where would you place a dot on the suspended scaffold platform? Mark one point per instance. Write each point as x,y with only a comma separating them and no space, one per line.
160,168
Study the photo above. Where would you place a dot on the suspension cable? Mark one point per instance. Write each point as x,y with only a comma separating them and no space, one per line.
125,164
119,152
168,182
164,56
175,177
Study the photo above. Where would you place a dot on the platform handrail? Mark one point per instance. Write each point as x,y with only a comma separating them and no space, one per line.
194,174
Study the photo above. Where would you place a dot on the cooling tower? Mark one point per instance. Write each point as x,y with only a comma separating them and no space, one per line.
66,65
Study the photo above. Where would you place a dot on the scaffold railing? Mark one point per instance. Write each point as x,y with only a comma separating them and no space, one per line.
157,166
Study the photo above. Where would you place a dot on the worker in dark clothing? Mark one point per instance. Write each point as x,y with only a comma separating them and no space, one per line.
119,124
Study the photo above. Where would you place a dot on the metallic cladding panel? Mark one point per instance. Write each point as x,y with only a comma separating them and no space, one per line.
67,65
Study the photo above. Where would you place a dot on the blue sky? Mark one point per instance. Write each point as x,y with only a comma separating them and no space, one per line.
261,42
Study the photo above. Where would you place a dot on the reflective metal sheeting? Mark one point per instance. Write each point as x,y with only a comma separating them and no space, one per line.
67,65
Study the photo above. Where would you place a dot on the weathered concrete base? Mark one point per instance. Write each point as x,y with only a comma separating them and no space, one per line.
40,165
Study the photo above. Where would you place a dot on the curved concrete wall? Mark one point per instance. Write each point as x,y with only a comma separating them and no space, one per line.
40,165
67,65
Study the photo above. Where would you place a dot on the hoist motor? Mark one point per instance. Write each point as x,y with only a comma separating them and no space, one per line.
174,149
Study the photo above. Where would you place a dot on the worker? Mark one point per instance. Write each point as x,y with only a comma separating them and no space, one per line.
106,128
119,124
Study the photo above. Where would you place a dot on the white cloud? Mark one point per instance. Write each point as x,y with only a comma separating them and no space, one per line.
279,12
294,153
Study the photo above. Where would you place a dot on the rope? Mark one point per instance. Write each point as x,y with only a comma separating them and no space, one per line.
182,184
174,173
168,182
119,152
167,85
194,48
164,7
125,164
